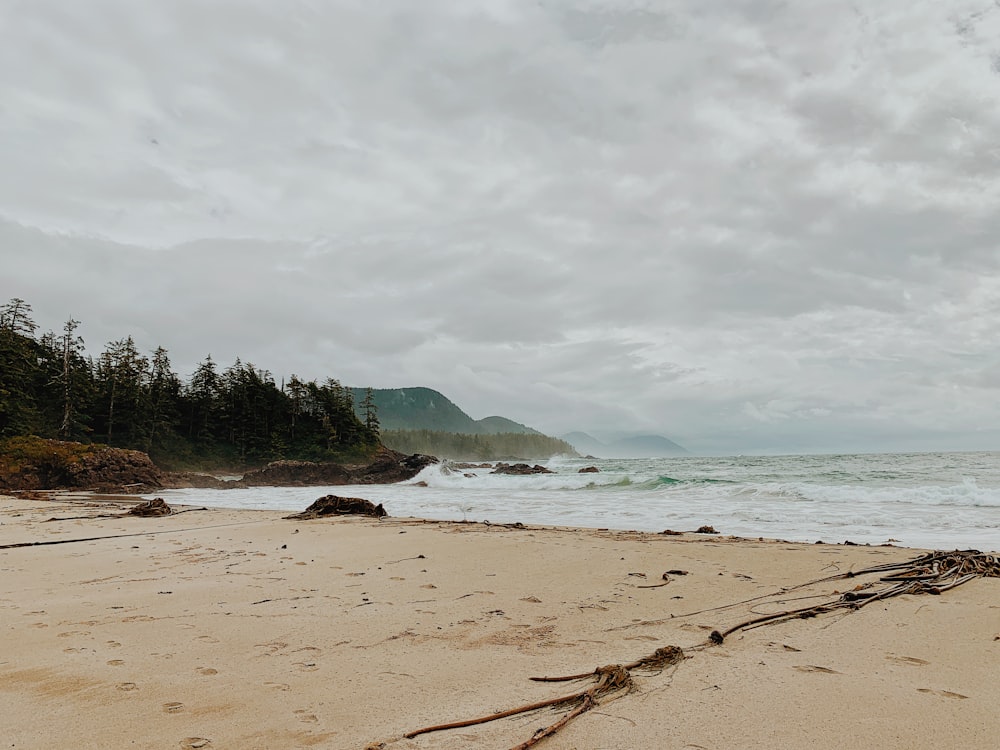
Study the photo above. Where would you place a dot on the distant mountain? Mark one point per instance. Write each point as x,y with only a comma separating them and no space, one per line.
427,409
502,425
641,446
586,445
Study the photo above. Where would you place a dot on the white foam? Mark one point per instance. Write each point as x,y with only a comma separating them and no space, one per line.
936,500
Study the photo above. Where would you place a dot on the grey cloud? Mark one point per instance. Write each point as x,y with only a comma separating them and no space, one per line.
750,225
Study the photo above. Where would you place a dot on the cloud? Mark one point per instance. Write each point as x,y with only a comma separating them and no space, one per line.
748,225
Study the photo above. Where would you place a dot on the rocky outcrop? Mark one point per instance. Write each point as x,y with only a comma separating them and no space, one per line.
589,470
183,480
333,505
295,474
32,463
520,469
386,467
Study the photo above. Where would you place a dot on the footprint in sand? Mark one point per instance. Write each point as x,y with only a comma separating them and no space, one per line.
814,668
116,662
193,743
70,633
272,648
207,639
206,671
174,707
908,660
306,717
277,685
113,644
306,666
309,650
942,693
127,687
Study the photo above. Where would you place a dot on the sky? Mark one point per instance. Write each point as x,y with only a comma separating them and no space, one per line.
751,226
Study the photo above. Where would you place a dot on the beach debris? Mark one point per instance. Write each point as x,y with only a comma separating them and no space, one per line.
334,505
705,530
931,573
671,532
610,679
151,508
665,578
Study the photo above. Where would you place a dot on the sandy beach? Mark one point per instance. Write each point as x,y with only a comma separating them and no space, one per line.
240,629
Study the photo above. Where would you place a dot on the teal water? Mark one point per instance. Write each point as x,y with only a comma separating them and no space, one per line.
941,500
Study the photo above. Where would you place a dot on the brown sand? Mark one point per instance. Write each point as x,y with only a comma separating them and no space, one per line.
237,629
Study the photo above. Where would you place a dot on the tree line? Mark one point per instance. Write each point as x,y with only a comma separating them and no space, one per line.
236,416
480,447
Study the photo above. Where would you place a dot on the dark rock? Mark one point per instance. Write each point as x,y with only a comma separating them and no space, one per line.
333,505
386,467
520,469
589,470
295,474
155,507
193,480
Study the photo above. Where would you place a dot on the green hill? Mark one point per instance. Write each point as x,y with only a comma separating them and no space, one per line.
427,409
422,420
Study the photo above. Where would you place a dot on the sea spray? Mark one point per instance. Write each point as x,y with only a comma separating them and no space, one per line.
945,500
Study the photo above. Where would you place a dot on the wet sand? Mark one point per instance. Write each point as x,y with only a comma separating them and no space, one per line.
239,629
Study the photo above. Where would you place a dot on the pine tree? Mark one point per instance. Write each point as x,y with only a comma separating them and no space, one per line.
370,410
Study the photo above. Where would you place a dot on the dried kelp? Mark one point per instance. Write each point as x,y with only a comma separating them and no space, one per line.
932,573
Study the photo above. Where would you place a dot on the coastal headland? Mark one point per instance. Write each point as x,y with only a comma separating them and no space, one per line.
226,629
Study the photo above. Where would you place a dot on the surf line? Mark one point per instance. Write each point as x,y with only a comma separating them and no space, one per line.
122,536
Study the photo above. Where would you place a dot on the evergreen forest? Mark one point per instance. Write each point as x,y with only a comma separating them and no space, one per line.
507,446
235,416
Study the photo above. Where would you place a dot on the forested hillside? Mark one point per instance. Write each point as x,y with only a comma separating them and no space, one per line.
465,447
51,387
426,409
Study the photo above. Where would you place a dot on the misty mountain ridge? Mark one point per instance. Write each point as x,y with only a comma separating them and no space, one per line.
638,446
426,409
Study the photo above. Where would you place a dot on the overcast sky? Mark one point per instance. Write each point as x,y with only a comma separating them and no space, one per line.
748,225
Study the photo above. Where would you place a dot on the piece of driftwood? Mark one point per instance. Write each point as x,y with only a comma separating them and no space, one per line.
334,505
151,508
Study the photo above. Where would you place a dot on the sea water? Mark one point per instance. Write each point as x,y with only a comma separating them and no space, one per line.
934,500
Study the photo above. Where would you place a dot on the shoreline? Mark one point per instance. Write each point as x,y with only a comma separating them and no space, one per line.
236,628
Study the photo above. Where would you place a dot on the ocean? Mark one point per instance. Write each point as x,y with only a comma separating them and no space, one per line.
933,500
